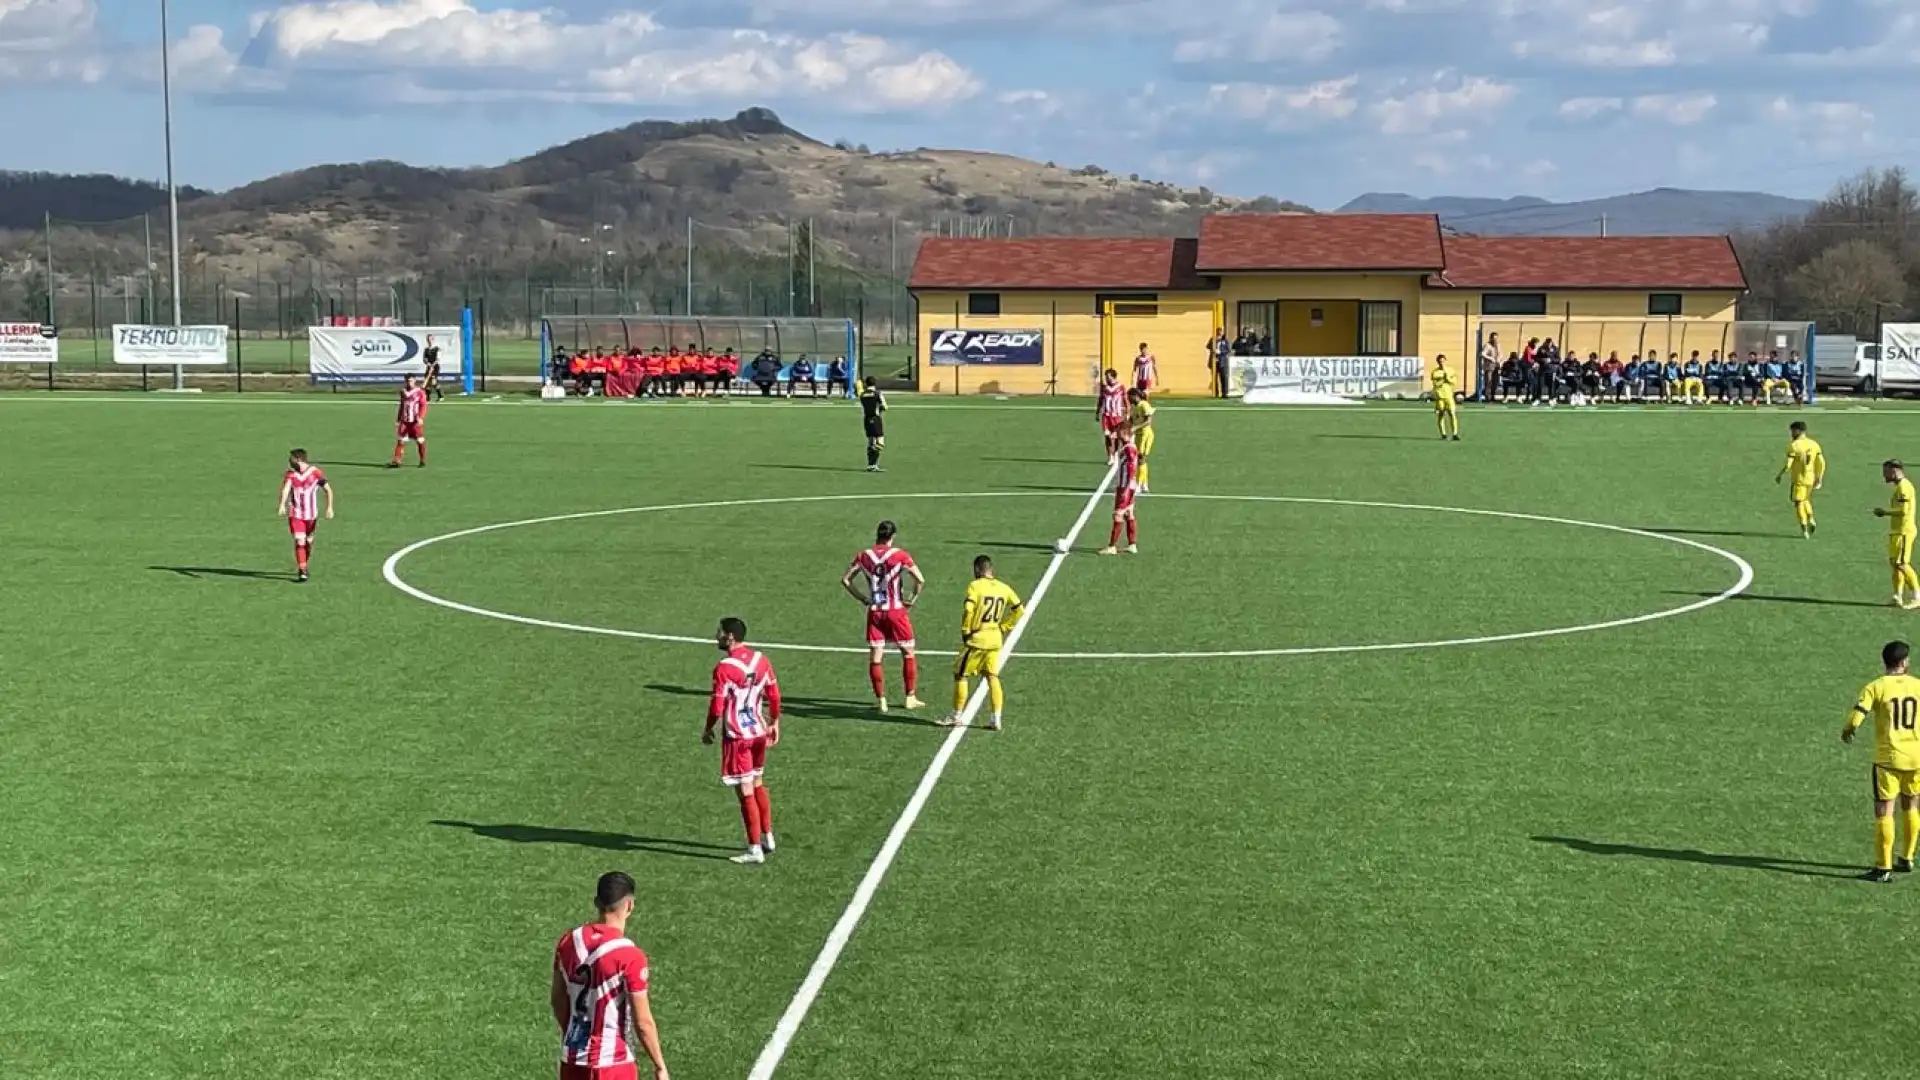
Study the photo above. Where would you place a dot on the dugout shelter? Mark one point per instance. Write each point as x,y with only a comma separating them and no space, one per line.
1311,285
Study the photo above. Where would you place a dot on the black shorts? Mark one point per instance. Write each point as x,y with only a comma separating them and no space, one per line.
876,431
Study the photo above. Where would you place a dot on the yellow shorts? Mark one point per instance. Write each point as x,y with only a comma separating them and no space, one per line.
1802,493
1443,403
1900,549
1145,441
972,662
1891,783
1696,388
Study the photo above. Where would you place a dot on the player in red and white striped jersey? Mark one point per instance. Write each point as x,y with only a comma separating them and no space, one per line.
600,989
1113,411
300,505
1146,370
1126,486
886,569
410,424
746,708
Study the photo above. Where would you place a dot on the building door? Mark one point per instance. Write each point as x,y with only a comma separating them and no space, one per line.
1379,328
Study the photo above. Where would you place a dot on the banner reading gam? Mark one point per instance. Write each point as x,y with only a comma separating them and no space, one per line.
999,348
1329,380
380,353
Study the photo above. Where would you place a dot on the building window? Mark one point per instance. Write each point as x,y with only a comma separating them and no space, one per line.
1513,303
1258,323
983,303
1145,303
1379,328
1663,303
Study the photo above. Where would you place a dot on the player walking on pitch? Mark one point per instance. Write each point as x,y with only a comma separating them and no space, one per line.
991,610
410,424
1899,513
1146,370
1125,488
1140,423
887,569
431,357
1112,412
300,504
599,991
1893,700
746,708
873,406
1808,467
1446,412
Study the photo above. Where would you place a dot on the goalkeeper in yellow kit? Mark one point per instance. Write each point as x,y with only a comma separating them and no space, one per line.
1807,465
992,609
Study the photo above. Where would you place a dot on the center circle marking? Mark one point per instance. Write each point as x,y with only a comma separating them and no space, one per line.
390,570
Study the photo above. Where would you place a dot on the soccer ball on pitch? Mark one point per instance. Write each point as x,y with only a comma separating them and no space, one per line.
1060,546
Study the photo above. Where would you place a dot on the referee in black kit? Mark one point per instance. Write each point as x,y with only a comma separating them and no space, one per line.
872,405
431,355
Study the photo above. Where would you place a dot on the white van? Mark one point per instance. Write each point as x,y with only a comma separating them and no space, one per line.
1844,362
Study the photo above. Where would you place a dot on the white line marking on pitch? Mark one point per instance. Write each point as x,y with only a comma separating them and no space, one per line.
803,998
390,570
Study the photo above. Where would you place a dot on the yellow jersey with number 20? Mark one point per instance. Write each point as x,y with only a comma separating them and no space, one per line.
992,608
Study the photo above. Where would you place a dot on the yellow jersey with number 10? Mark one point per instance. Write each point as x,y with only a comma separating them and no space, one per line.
992,608
1900,508
1894,703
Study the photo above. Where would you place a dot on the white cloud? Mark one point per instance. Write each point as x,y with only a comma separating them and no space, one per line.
1681,109
450,52
1284,108
49,40
1450,97
1589,108
1283,36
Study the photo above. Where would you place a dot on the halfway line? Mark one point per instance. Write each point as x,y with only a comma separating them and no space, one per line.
810,987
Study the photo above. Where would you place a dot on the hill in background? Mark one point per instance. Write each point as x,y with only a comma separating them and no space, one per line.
1660,212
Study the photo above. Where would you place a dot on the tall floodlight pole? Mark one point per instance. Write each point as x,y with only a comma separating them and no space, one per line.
173,193
51,321
147,220
689,264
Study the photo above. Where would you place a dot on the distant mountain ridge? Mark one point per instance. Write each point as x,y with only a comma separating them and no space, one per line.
1660,212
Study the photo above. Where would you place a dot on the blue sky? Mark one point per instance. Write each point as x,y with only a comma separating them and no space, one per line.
1303,99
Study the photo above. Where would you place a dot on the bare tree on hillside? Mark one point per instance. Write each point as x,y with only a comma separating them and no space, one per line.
1846,287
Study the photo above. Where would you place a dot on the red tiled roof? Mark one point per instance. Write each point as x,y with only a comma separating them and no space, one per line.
1056,262
1324,242
1590,262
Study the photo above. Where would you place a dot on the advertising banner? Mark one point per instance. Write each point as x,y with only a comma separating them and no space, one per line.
29,343
169,346
380,354
1323,380
1899,354
999,348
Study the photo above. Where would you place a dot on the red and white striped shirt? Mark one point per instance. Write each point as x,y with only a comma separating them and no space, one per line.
1144,369
602,971
746,696
413,406
1113,401
303,493
885,567
1128,482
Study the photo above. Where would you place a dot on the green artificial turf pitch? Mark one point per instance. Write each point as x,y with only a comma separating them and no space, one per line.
251,828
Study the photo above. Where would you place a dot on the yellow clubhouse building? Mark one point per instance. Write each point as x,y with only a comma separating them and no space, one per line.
1304,285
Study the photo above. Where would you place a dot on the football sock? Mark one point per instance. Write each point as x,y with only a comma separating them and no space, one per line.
910,673
877,675
422,447
399,452
1912,578
300,556
765,808
996,696
959,695
1883,841
1911,817
1133,531
1899,579
750,814
1143,472
1113,538
873,457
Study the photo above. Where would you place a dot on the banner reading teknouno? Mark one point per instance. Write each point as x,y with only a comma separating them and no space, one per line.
380,353
29,343
1323,380
169,346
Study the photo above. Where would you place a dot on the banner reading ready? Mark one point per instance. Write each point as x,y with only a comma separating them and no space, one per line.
380,354
1000,348
1322,380
1899,354
29,343
169,346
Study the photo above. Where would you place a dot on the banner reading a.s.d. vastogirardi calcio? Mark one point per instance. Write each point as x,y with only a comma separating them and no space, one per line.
380,353
1322,380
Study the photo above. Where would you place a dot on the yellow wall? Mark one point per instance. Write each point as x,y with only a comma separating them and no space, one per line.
1072,339
1177,334
1296,294
1582,322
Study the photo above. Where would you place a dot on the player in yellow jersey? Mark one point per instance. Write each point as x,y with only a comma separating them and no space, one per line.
1899,512
1140,421
1893,700
1445,413
991,610
1808,467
